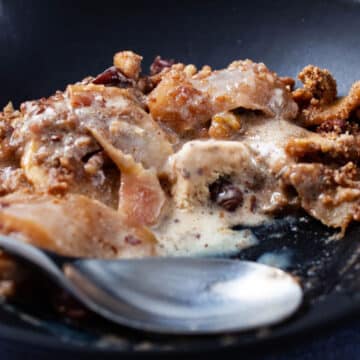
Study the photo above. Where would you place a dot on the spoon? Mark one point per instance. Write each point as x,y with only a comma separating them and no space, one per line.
171,295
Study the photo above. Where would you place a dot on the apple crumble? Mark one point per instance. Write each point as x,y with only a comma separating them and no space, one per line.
129,165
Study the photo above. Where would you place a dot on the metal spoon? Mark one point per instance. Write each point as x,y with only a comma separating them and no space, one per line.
172,295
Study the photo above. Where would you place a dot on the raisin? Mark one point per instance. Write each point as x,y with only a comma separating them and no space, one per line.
230,198
225,194
160,64
113,77
216,187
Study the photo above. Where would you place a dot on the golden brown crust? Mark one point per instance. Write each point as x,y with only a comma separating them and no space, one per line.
320,83
128,63
185,100
317,98
178,104
330,195
324,148
340,109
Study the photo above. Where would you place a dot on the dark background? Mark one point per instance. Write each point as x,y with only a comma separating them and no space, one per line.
45,45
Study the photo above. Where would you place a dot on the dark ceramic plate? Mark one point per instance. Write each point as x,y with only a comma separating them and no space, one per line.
46,45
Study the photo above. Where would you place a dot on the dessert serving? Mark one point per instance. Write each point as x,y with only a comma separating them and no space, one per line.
131,165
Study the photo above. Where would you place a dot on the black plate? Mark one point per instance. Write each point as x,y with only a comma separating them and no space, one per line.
46,45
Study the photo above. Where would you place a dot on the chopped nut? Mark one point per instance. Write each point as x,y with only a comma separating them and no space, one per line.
9,108
94,164
204,72
83,141
128,63
190,70
319,82
224,125
115,127
178,67
65,162
41,155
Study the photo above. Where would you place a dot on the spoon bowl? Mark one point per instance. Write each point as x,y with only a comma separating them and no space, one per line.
172,295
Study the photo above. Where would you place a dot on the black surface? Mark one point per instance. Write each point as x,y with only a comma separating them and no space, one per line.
46,45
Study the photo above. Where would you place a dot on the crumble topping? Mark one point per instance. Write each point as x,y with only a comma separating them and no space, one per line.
125,164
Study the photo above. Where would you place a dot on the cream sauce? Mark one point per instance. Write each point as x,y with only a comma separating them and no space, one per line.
196,226
200,232
267,138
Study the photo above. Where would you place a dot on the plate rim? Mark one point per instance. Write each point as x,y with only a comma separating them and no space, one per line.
14,334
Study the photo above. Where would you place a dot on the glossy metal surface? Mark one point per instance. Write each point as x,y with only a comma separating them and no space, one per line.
178,295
